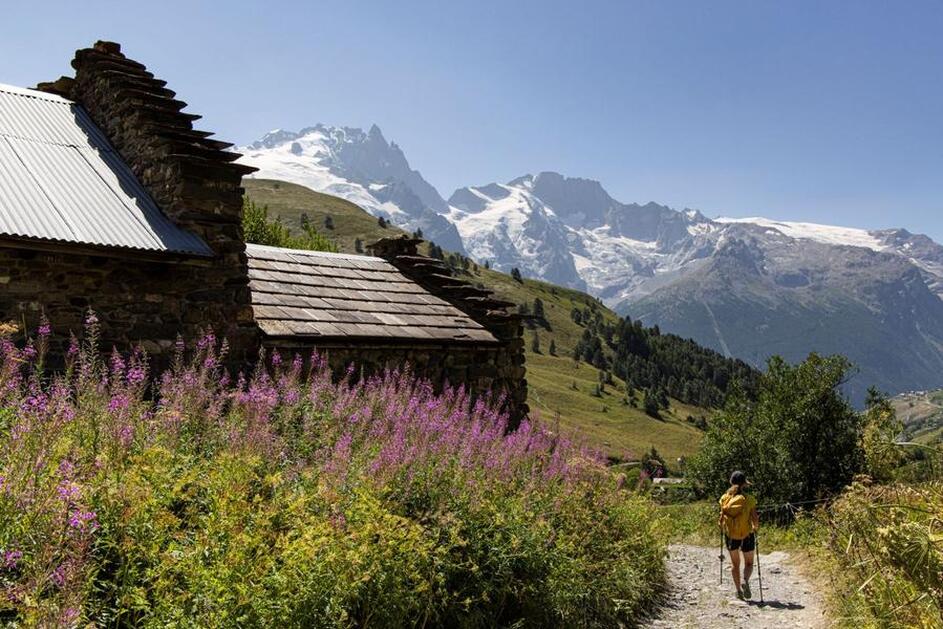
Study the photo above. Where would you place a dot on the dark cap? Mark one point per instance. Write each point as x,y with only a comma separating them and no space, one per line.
738,478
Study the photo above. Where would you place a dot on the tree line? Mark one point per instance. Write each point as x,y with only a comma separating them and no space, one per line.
659,365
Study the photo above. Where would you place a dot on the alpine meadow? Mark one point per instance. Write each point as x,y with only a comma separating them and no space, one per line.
471,315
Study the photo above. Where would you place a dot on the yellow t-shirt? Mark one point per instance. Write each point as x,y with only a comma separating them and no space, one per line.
737,512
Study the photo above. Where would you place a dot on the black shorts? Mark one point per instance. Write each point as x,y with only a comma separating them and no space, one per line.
747,544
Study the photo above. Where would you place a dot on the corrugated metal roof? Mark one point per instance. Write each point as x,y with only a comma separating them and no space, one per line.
61,180
315,294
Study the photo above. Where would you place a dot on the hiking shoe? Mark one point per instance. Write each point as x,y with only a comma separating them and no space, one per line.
739,595
746,590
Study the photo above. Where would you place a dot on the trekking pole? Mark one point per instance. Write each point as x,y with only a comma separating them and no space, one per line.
721,556
759,569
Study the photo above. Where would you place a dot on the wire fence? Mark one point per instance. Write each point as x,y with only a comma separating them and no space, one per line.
786,513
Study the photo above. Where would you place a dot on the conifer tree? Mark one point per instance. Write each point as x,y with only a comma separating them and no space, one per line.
650,404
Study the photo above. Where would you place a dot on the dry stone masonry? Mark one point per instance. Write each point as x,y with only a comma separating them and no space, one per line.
500,368
142,297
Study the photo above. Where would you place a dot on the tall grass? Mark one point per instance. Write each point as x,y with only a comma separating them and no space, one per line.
888,543
285,497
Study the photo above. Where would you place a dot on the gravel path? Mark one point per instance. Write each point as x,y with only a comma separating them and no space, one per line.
696,599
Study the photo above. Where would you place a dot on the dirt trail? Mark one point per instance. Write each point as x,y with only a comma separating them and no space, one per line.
695,597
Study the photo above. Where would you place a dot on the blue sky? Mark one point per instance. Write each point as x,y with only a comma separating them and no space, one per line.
818,111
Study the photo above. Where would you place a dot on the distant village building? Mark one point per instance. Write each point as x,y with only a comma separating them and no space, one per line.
111,200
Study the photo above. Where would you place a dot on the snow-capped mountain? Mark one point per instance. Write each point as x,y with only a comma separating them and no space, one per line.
359,166
621,252
571,232
747,287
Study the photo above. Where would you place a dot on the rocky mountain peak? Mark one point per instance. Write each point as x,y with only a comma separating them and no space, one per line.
575,200
362,167
274,138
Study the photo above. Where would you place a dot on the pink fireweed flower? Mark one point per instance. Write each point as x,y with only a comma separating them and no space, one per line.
60,575
66,468
126,434
36,403
44,328
208,341
117,364
341,455
68,491
29,351
68,617
136,375
118,403
83,520
91,319
67,414
11,558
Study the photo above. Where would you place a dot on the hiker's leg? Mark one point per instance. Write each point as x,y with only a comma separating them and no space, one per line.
747,565
735,567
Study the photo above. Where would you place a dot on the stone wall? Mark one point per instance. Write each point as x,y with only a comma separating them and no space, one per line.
500,368
146,302
476,367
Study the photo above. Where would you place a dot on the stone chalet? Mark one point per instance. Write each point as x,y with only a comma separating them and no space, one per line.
111,200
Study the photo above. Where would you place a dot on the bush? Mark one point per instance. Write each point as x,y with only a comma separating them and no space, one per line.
287,498
799,440
258,228
651,406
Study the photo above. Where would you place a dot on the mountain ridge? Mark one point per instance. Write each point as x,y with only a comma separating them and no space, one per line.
756,279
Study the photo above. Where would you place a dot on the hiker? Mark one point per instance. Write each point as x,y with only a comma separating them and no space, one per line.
739,523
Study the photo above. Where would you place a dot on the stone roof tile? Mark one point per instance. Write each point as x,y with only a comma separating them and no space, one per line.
307,293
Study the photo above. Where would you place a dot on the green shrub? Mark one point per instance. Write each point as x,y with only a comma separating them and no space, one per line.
799,440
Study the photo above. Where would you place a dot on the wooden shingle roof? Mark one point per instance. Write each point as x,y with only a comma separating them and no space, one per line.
315,294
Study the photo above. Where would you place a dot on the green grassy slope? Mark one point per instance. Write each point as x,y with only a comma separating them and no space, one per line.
289,201
560,390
